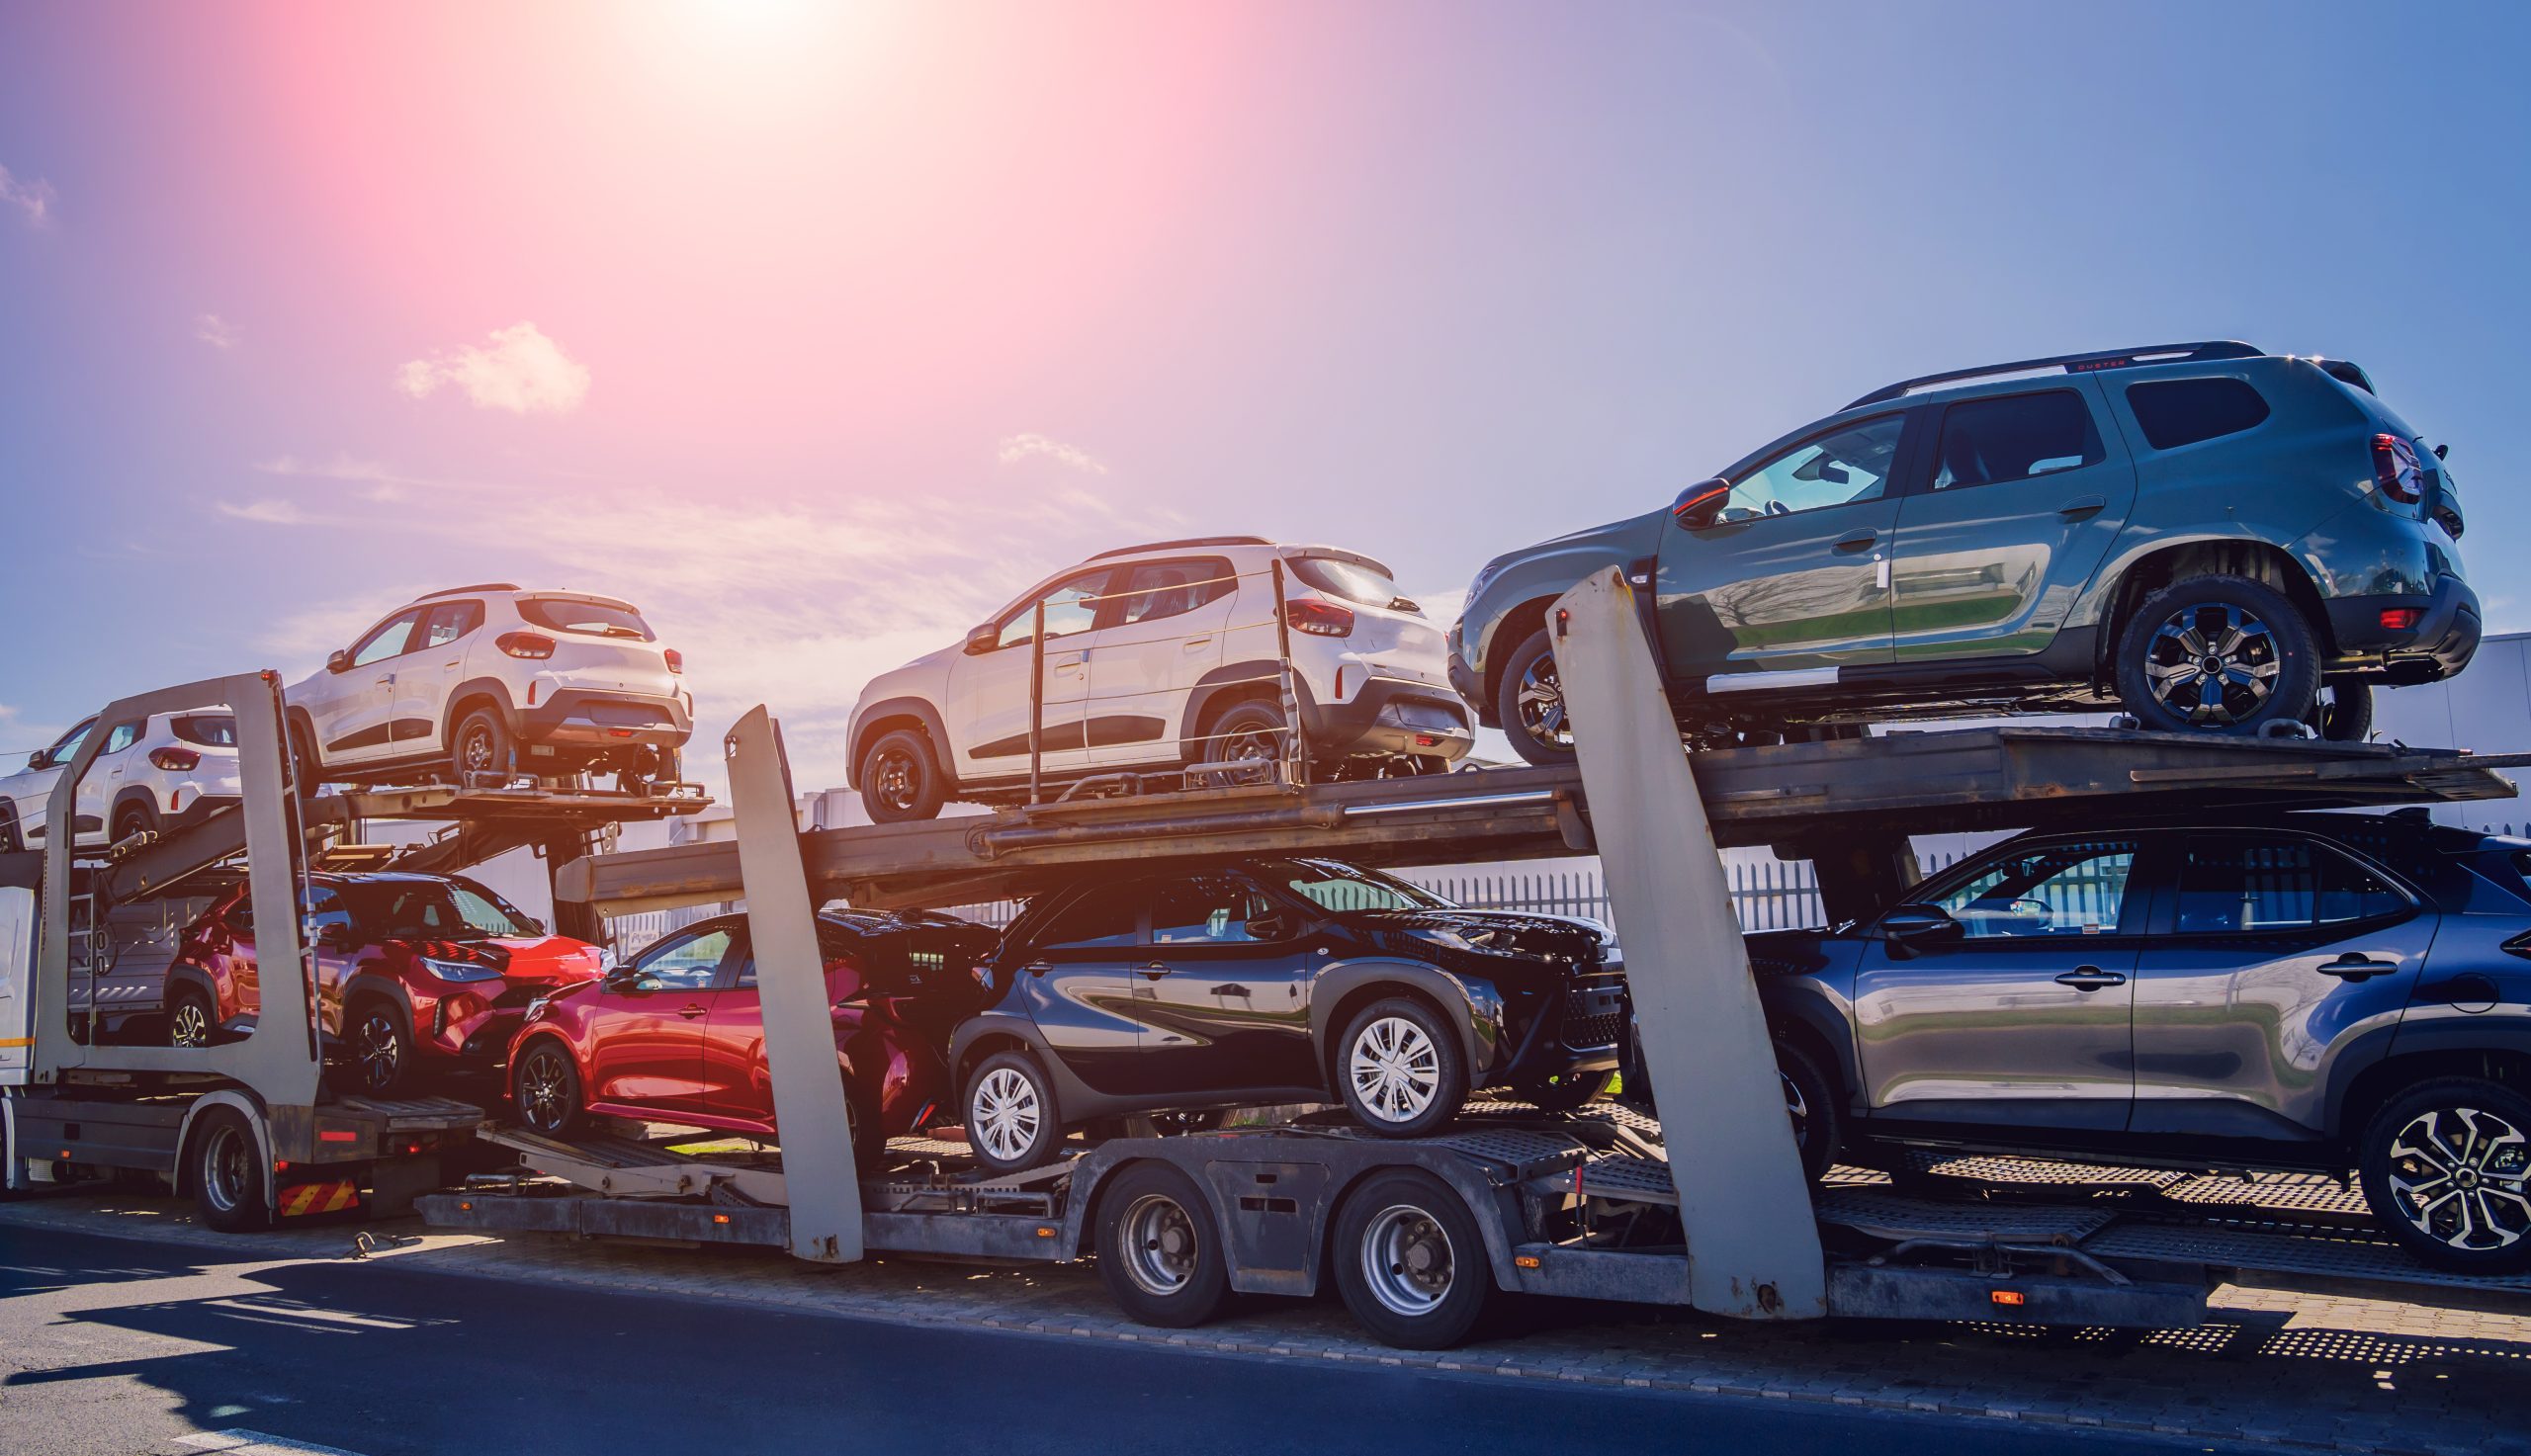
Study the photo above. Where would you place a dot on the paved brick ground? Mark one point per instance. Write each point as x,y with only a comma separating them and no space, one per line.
2298,1371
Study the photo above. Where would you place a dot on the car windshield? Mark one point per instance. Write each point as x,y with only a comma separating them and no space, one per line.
432,909
1355,581
595,619
1345,889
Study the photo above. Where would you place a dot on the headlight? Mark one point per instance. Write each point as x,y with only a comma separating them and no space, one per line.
1457,940
536,1008
460,971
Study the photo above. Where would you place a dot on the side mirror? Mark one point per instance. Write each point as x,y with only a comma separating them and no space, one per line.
982,639
340,660
1699,504
1271,926
39,760
1920,927
623,979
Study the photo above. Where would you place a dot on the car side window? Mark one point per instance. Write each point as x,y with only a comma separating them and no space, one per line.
1158,589
2242,885
1071,607
1109,916
1204,910
121,737
325,909
68,743
685,961
2177,412
2016,436
2046,890
1849,465
450,620
387,640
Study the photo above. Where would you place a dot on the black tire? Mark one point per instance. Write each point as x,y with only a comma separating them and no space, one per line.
1253,732
1530,704
303,767
1397,1069
1409,1262
191,1019
902,779
481,744
1012,1125
1810,1101
1160,1248
378,1045
2343,713
137,817
544,1090
1566,1093
2485,1179
223,1166
2267,650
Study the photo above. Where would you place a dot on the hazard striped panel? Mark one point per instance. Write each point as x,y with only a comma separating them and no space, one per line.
317,1198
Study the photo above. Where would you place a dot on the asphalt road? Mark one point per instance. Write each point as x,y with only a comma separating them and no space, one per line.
116,1346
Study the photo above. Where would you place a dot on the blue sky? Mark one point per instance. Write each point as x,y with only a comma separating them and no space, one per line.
820,331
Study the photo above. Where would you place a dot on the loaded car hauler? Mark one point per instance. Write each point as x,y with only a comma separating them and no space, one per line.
1708,1209
248,1128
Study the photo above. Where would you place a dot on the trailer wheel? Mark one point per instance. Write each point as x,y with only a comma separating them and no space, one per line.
225,1169
1400,1069
2447,1169
1159,1249
1409,1262
1010,1115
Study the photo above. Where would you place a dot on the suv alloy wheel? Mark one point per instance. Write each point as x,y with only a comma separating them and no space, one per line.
2221,653
1531,704
2447,1169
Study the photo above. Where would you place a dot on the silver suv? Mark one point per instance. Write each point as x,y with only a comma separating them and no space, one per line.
2317,991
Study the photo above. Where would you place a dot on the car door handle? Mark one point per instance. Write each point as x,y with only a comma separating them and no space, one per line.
1038,968
1193,642
2083,508
387,681
1153,971
2090,978
691,1010
1859,541
2357,968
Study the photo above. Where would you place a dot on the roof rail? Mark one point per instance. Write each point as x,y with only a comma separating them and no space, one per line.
2075,363
1127,550
450,591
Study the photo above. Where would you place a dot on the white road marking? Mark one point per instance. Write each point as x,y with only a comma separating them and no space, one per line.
240,1442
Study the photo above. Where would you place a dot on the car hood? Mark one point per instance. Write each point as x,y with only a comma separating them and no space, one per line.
542,960
1568,941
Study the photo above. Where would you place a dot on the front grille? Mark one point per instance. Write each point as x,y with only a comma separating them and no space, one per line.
1593,1033
1595,1013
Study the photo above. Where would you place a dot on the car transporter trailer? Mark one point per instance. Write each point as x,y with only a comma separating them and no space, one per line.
1707,1208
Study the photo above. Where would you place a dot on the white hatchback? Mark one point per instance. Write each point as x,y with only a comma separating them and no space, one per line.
161,772
478,684
1161,657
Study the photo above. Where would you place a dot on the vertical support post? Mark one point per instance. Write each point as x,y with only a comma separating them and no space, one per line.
1037,702
1753,1242
576,918
1295,739
809,1106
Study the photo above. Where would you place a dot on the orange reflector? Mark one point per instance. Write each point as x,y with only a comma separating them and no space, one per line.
1527,1260
463,1207
65,1154
1045,1232
719,1217
2013,1297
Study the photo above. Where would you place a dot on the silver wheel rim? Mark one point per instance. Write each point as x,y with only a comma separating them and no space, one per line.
2213,665
1542,704
1797,1107
539,1091
1407,1260
189,1027
2457,1176
380,1051
1395,1069
1158,1241
224,1168
478,751
1007,1114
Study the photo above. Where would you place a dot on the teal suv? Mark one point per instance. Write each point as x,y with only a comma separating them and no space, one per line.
2207,536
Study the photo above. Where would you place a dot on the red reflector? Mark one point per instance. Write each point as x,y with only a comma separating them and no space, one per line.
175,761
532,686
337,1135
2400,618
719,1217
2012,1297
1426,740
533,646
619,732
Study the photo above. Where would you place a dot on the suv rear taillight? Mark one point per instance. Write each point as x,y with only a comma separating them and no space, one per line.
1318,618
175,761
2395,469
676,662
536,646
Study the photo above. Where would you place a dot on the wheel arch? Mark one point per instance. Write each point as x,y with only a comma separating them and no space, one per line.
2368,1090
1226,687
886,715
474,693
2170,563
257,1126
129,795
1342,990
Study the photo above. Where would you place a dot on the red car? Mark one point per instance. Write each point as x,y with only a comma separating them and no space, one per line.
677,1036
414,972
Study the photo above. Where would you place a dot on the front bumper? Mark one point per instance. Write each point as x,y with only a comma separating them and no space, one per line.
1393,716
591,718
2443,639
1584,1031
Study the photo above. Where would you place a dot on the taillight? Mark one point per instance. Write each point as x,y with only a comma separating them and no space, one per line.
175,761
536,646
1319,617
2395,469
676,660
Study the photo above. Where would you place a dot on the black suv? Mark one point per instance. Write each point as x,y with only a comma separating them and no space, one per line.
1273,980
2321,992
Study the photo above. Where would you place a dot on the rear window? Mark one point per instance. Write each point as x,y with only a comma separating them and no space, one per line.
592,619
2177,412
1354,582
210,729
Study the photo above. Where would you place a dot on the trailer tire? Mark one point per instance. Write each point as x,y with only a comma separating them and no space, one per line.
545,1091
1385,1035
1160,1248
1410,1261
1020,1127
2409,1146
225,1165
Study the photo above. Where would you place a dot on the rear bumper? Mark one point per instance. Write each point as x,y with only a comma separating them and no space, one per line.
1392,716
2440,643
201,809
587,718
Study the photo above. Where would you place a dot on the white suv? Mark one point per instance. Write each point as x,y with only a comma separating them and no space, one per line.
1161,657
497,681
165,771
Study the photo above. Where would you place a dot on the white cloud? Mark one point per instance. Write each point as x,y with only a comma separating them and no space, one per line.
215,331
32,196
270,511
521,371
372,479
1021,446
